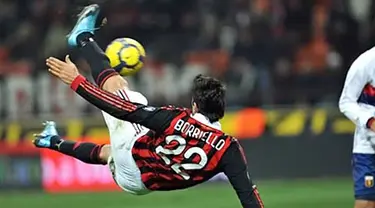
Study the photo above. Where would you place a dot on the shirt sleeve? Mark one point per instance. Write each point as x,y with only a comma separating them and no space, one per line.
235,167
157,119
356,79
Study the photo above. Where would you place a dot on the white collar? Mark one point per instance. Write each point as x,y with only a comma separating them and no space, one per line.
203,119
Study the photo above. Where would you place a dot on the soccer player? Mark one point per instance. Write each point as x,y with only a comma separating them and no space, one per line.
357,102
151,148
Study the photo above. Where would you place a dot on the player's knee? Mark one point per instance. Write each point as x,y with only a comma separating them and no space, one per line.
137,97
364,204
115,83
105,153
143,99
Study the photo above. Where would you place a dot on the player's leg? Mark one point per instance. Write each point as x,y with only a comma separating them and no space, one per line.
363,176
122,133
364,204
85,151
82,36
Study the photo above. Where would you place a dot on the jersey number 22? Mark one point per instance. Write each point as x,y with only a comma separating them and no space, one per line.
177,167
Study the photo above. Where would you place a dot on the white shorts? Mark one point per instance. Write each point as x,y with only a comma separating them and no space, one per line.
122,137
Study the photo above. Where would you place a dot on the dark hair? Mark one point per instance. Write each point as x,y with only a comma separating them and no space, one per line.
209,96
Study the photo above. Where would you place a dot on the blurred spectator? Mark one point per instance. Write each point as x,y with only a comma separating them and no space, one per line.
54,42
312,56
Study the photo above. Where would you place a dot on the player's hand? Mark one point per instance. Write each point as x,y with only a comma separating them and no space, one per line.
66,71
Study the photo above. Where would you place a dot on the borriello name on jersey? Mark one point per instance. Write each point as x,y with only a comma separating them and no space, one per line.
206,136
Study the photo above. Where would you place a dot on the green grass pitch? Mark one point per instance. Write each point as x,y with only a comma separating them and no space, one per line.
324,193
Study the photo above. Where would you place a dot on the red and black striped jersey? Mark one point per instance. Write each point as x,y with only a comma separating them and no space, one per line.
180,151
185,153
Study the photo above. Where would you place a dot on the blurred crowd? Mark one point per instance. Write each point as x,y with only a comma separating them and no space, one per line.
267,51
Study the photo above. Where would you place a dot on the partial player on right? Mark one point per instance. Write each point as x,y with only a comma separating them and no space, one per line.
176,148
357,102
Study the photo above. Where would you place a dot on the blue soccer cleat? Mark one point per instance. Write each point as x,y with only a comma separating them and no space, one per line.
44,139
86,23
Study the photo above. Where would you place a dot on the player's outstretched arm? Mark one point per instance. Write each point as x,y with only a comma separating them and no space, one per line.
355,82
157,119
234,166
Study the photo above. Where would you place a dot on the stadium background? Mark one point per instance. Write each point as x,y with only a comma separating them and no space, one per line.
284,62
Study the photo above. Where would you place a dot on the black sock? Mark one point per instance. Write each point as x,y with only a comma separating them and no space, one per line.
83,38
85,151
100,67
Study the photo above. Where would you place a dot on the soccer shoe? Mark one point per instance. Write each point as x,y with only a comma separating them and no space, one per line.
86,23
44,139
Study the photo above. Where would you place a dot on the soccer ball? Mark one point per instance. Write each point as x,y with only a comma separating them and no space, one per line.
126,56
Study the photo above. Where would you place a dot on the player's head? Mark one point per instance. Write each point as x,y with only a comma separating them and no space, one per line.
208,97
